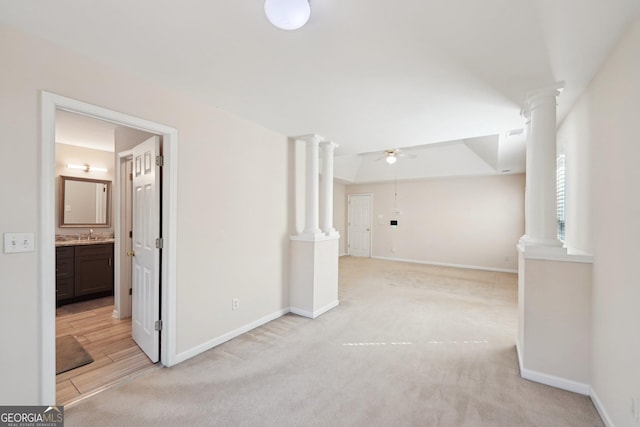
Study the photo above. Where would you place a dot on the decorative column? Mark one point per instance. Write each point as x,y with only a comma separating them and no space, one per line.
326,218
311,227
314,252
540,195
554,285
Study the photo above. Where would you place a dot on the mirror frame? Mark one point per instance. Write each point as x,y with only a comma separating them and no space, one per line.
63,180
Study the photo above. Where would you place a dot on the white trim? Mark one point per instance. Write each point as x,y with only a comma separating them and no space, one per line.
301,312
445,264
314,237
557,382
316,313
343,254
519,353
326,308
553,253
49,102
46,262
600,408
551,380
117,206
194,351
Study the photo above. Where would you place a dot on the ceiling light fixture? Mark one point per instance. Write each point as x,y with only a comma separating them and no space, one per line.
287,14
391,158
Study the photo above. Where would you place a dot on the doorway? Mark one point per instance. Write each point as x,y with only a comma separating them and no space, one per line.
359,228
46,236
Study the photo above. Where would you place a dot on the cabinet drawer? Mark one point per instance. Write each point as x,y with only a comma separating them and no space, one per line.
94,250
64,252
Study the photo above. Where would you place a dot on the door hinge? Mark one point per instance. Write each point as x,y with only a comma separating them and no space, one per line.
130,176
130,291
159,160
158,325
159,243
131,234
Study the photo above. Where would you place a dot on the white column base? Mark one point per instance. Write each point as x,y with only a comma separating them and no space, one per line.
554,317
314,275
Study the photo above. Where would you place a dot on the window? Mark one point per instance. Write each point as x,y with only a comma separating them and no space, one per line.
561,201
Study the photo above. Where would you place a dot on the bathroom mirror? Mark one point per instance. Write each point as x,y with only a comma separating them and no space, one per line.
84,202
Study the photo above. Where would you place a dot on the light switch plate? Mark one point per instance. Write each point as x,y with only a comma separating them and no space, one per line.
19,242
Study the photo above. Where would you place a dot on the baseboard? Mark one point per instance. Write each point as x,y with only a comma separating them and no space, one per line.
326,308
444,264
181,357
343,254
301,312
600,408
551,380
316,313
557,382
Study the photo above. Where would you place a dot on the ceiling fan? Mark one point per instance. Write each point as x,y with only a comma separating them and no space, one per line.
391,156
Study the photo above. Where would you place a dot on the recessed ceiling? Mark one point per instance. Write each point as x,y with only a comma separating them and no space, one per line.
368,75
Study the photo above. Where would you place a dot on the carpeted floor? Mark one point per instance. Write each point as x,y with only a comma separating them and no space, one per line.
409,345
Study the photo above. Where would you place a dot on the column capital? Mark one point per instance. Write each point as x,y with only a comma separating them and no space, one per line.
544,95
310,137
329,145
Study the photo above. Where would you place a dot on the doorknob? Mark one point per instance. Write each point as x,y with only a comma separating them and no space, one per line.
131,253
368,229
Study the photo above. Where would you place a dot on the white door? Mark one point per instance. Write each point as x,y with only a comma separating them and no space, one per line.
145,298
360,225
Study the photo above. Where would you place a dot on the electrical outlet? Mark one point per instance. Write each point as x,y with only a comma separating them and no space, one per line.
235,304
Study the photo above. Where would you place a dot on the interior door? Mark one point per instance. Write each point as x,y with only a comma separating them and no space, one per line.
145,298
360,225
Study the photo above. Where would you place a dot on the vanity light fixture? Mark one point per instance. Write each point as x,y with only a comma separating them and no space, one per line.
287,14
86,168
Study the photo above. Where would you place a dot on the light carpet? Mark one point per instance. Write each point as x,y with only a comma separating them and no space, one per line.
409,345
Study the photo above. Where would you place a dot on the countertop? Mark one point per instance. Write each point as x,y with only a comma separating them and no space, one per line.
84,242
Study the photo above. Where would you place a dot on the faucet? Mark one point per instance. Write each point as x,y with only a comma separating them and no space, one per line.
90,233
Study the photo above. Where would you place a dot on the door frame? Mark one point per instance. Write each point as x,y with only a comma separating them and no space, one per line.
122,305
370,195
49,103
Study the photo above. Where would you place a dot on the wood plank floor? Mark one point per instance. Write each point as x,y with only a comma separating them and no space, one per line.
116,356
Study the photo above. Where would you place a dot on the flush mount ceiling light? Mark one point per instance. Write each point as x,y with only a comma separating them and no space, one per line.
287,14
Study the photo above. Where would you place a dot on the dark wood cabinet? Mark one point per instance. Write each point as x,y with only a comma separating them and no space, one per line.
65,271
84,272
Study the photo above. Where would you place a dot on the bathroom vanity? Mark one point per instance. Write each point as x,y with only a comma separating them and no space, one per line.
84,270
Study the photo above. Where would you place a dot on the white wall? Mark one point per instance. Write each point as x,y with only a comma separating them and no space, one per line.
340,214
232,237
602,132
80,155
460,221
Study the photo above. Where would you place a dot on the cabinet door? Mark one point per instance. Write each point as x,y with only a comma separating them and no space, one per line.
93,269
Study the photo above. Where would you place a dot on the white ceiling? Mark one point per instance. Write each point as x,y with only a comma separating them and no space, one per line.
83,131
368,74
